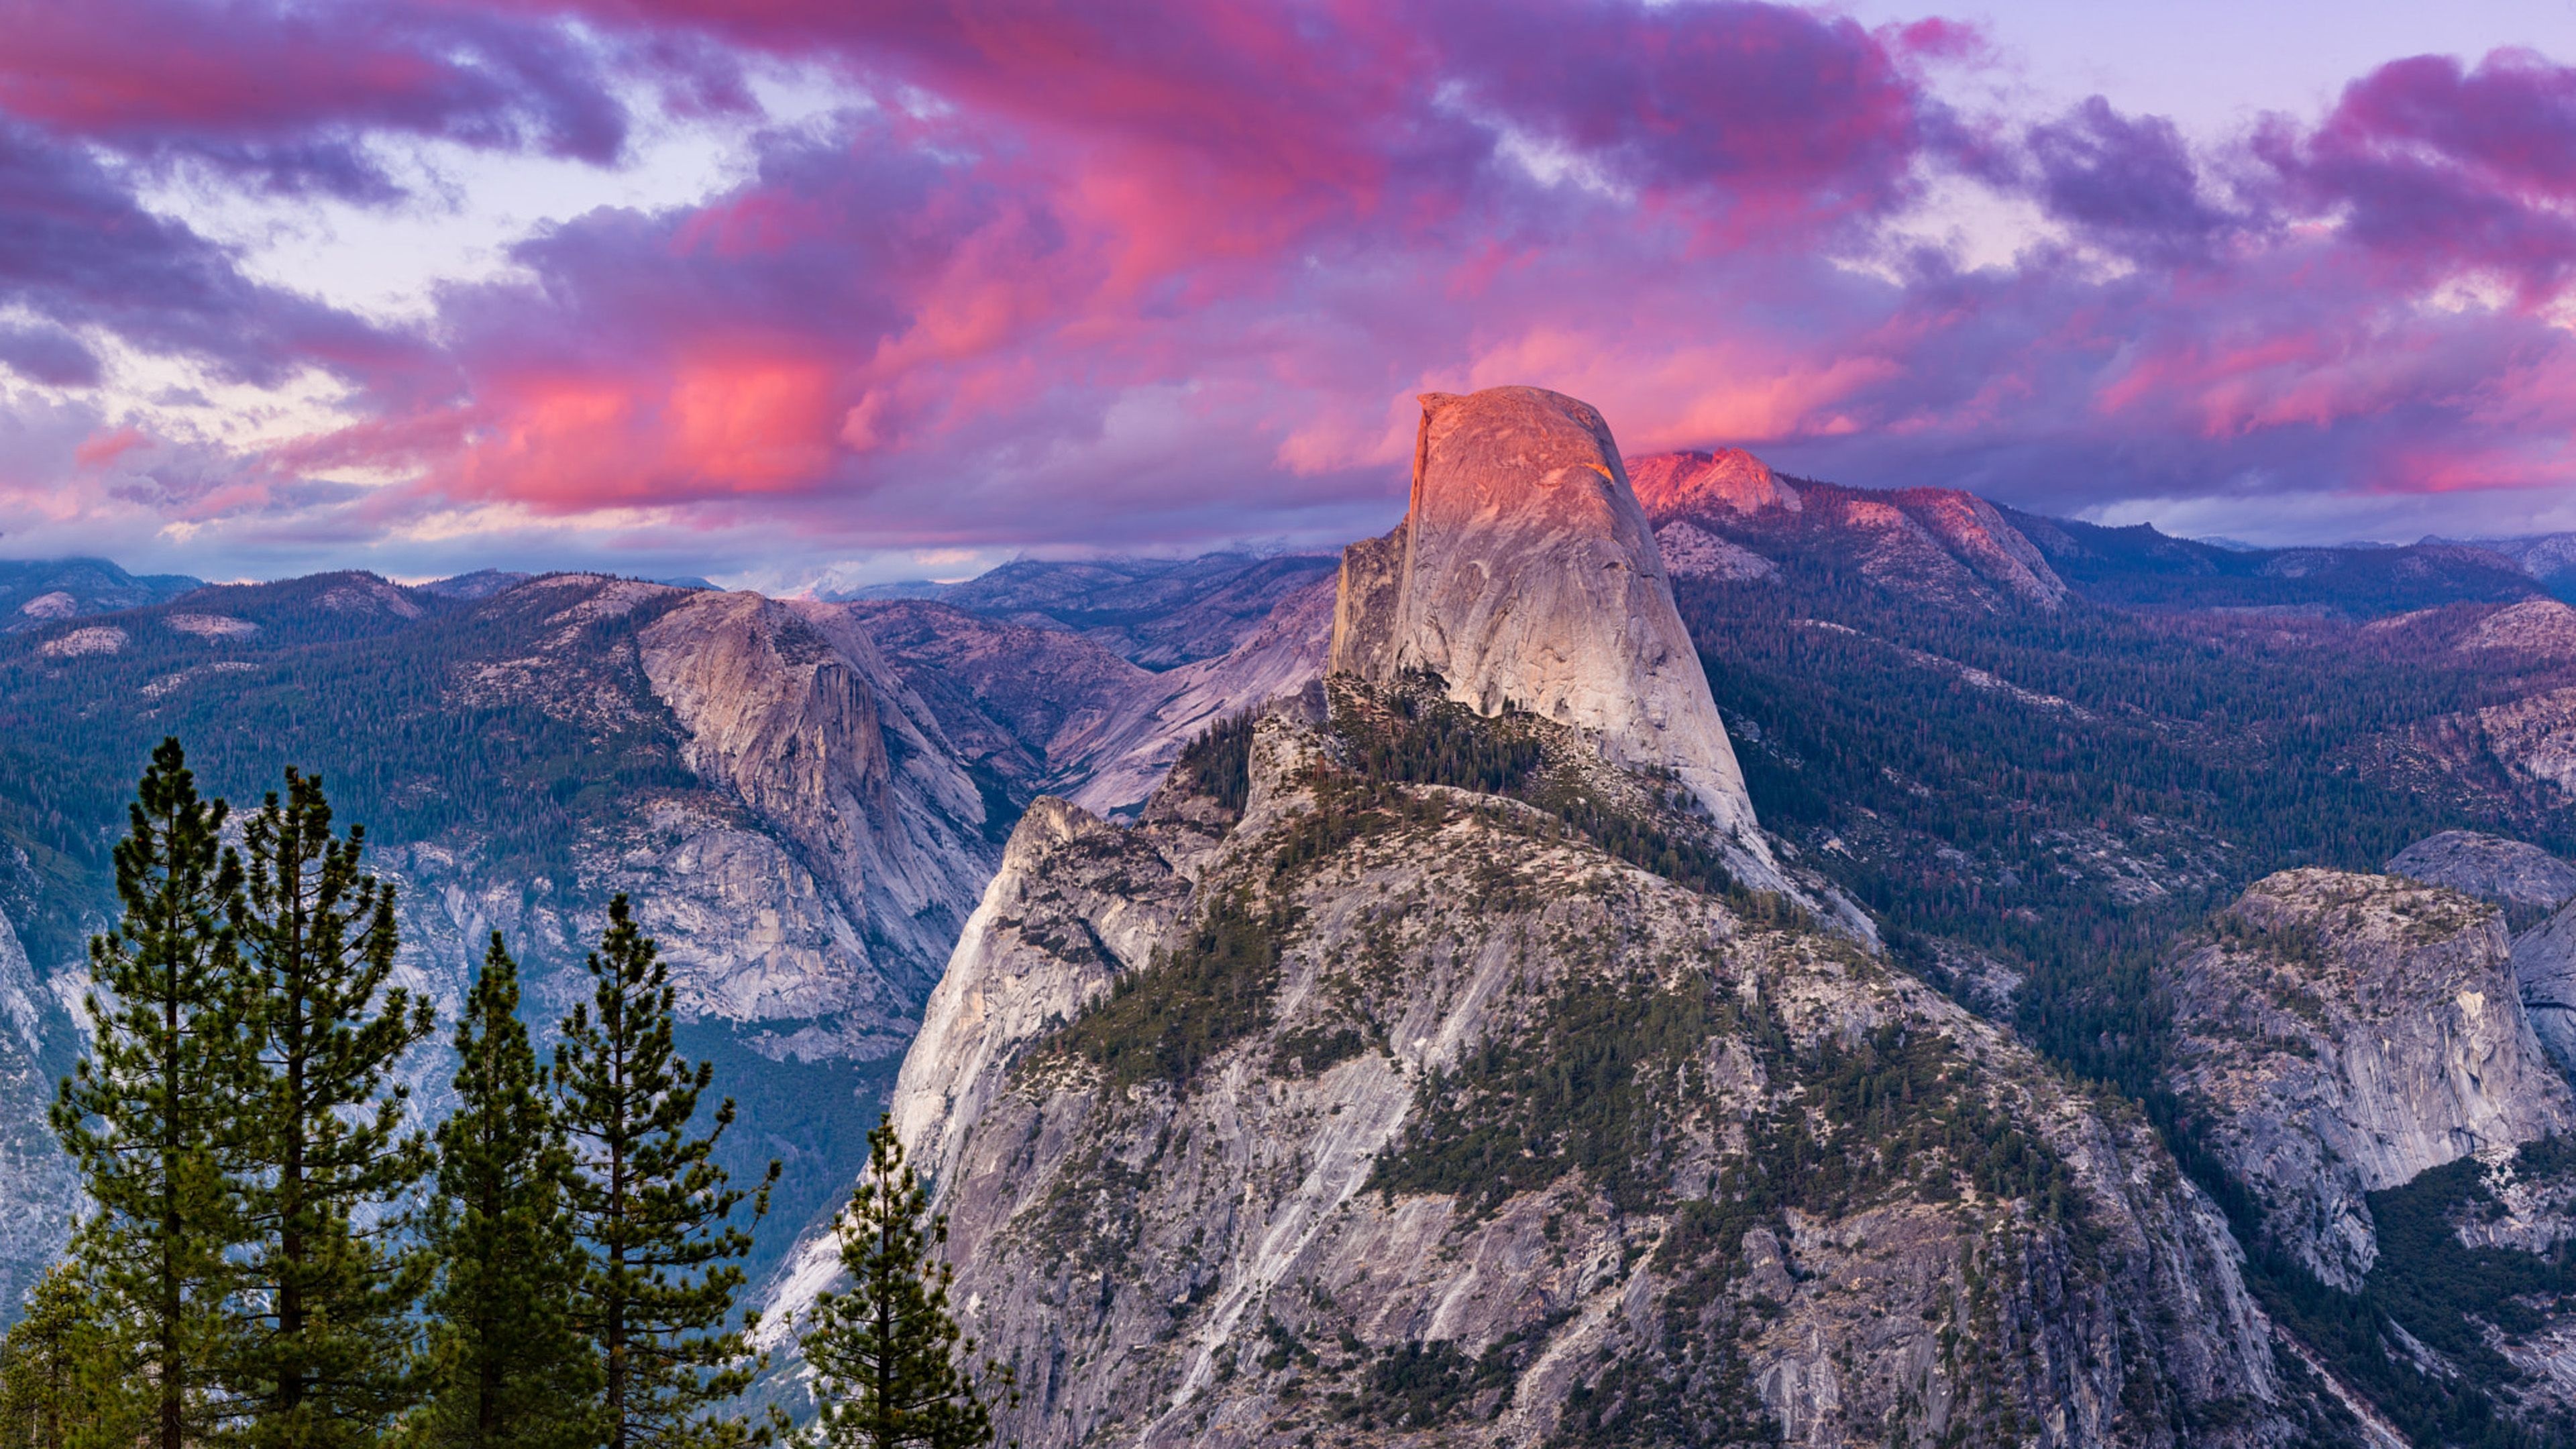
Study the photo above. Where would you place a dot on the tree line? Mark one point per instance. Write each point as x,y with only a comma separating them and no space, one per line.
281,1252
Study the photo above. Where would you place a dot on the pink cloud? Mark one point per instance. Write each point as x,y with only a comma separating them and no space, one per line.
101,449
1158,271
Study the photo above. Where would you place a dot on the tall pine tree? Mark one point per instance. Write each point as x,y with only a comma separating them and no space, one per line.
652,1207
507,1367
150,1117
322,1358
885,1354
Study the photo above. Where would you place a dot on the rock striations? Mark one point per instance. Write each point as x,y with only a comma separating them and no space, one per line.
1525,575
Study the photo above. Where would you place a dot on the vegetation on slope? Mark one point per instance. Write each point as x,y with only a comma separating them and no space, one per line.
2103,784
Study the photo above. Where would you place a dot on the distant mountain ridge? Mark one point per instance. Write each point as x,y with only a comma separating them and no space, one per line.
1726,513
37,592
1155,613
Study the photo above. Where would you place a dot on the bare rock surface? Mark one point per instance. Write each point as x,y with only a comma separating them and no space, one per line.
2544,967
1726,479
1940,545
792,706
1353,1211
1015,699
2343,1033
1117,767
1048,710
1076,904
2539,626
1692,552
39,1192
1530,578
2526,880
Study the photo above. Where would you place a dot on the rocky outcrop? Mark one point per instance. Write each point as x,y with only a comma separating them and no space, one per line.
2535,626
791,706
1728,480
39,1193
1117,767
1692,552
1047,710
1936,544
2510,873
37,592
1530,579
2544,967
1076,904
1429,1124
1969,529
1016,700
1367,597
2342,1033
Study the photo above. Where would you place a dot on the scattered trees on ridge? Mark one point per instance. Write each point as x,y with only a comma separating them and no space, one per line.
281,1256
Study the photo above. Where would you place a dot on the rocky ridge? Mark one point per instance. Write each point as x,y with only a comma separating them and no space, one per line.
1938,544
2510,873
1291,1220
2343,1033
1044,709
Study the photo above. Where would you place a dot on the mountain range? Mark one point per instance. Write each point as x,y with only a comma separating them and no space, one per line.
1651,950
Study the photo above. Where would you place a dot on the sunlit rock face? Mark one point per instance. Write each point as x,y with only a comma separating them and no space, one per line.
1729,480
1525,575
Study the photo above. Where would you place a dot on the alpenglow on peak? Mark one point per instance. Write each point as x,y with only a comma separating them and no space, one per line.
1525,575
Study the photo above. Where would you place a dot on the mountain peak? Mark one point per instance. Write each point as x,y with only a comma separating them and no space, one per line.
1671,484
1525,574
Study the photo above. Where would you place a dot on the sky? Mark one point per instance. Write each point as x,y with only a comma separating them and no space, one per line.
810,293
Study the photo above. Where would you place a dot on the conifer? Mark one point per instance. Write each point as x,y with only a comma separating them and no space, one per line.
150,1115
651,1207
322,1355
62,1374
507,1368
885,1354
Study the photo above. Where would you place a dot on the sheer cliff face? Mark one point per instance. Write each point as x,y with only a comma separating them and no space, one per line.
790,706
1419,1119
1525,575
2344,1033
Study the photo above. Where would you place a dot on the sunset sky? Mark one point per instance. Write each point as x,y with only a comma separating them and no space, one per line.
816,292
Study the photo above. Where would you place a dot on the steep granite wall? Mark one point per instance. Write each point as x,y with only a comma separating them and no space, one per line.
2342,1034
1529,578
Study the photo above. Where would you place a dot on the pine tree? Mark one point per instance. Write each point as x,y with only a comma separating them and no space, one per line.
885,1354
323,1354
149,1116
63,1383
507,1368
651,1207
